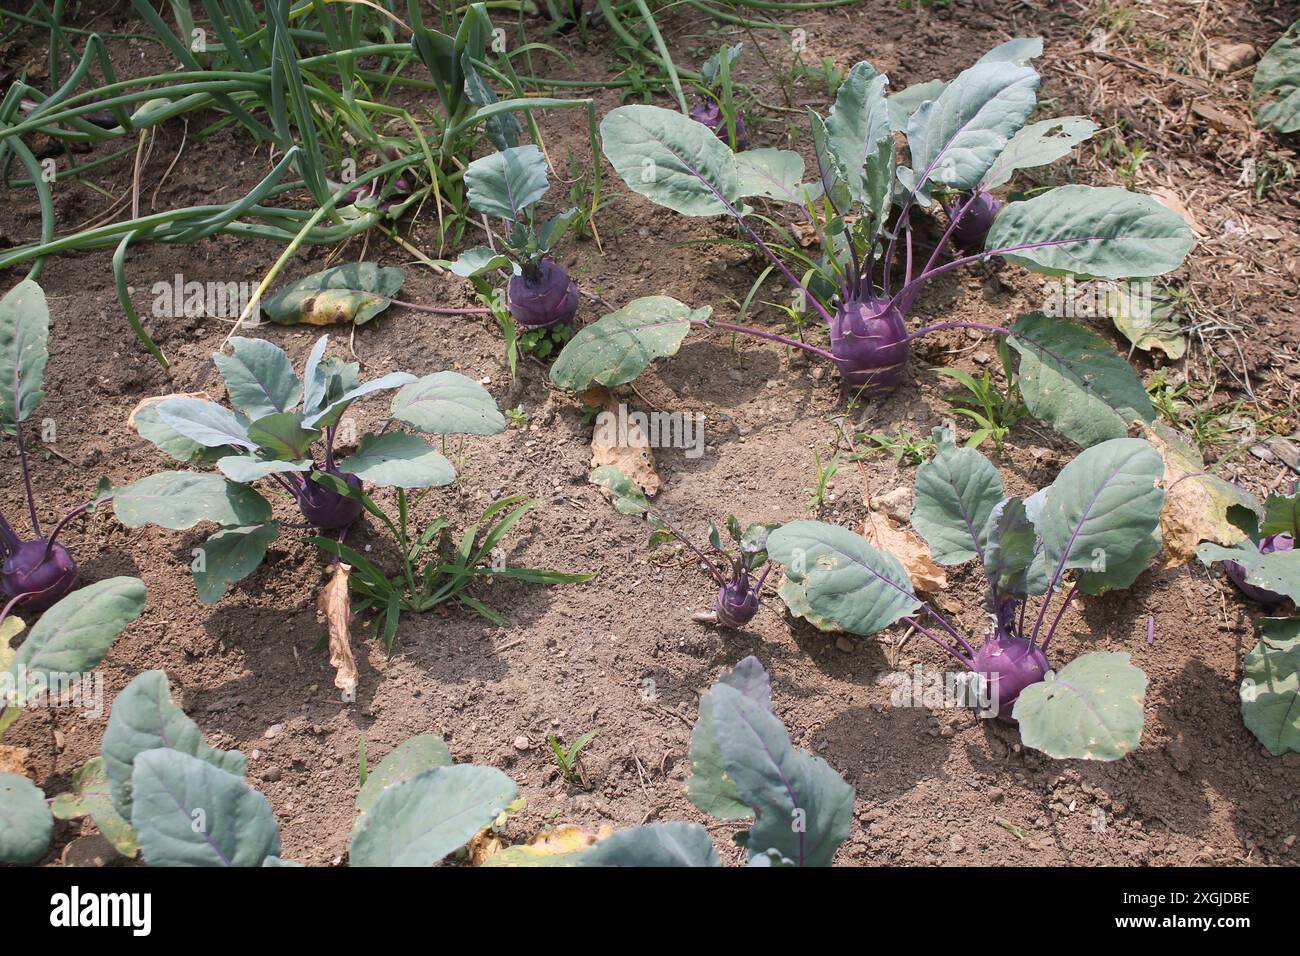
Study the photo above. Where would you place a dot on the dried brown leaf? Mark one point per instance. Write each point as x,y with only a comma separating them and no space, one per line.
906,545
334,610
619,440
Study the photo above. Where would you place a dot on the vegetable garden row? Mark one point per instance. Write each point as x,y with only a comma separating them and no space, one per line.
898,188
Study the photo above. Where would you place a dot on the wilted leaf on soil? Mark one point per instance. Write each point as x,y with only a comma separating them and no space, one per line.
559,847
333,610
1196,504
355,292
906,545
620,440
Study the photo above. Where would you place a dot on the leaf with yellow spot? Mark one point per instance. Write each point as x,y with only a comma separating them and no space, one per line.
559,847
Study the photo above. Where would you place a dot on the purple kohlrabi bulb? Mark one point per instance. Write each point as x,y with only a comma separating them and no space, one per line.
869,342
1009,665
41,569
324,507
737,603
547,298
1237,573
975,223
709,113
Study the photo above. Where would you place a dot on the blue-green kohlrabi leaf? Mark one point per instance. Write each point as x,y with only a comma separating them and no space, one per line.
960,134
206,423
335,406
179,500
398,460
506,183
1071,378
831,171
1276,88
670,159
188,812
804,808
25,820
502,128
144,718
859,135
73,636
1037,145
1021,51
353,292
259,377
419,821
775,174
620,346
476,261
407,760
1270,686
1099,231
283,436
1278,571
448,403
709,787
1103,506
1012,561
24,334
654,844
229,556
845,580
1092,709
956,491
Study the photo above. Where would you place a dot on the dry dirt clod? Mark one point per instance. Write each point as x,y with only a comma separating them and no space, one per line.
1225,56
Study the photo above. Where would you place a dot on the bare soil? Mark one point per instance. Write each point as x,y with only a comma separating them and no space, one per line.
932,787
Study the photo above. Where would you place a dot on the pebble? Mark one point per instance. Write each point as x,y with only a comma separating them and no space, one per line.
274,731
521,743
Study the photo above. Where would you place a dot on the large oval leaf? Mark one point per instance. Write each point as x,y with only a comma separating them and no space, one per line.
1100,231
1071,378
1270,687
804,808
408,759
964,129
24,334
506,183
1276,88
228,556
859,136
620,346
670,159
206,423
1277,571
775,174
1102,507
25,820
144,718
181,499
398,460
353,292
1091,710
259,377
845,579
709,787
420,821
73,636
1012,562
284,436
655,844
448,403
956,491
190,813
1037,145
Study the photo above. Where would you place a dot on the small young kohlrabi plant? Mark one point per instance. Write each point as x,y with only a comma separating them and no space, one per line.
541,298
282,432
739,591
417,807
715,107
1099,520
964,137
34,572
1264,565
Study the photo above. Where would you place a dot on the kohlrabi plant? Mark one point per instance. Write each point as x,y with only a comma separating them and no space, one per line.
738,572
1093,530
35,572
281,434
964,138
541,297
715,107
418,807
1264,565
